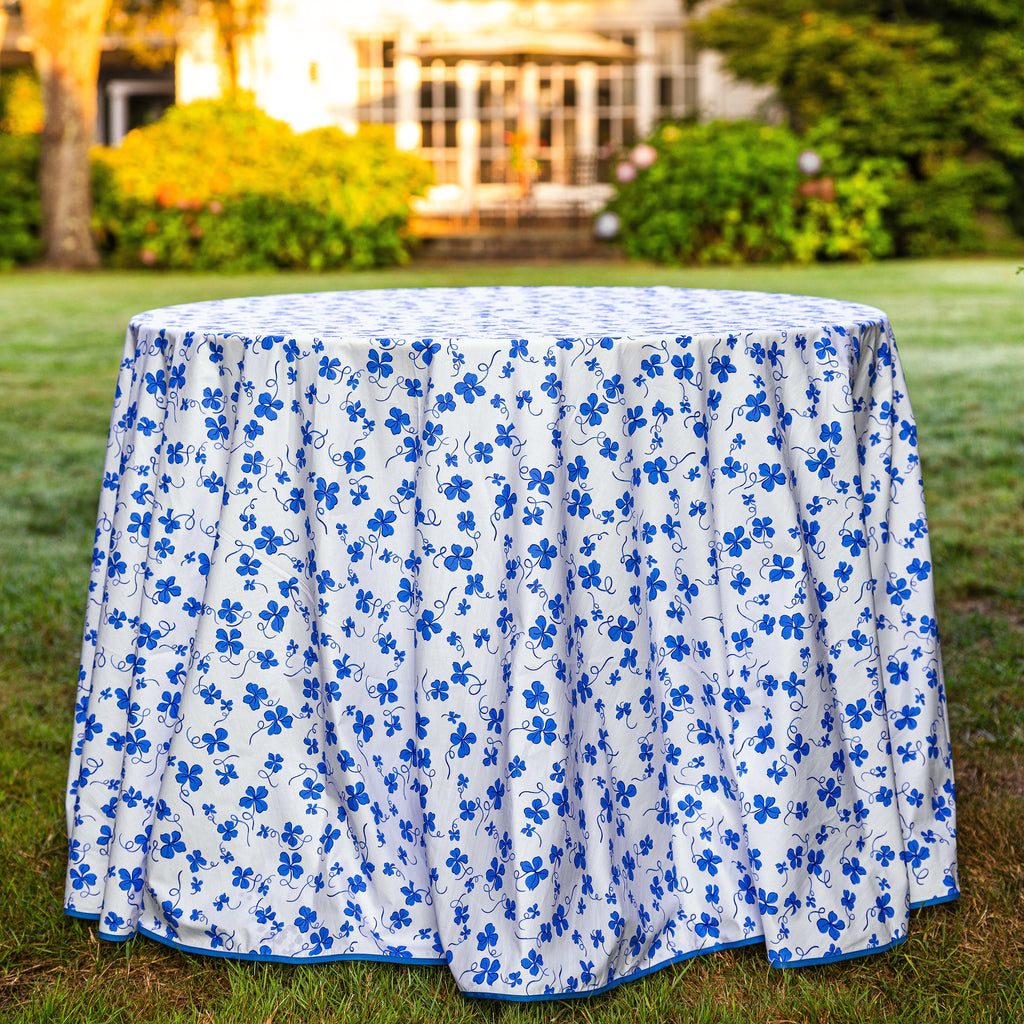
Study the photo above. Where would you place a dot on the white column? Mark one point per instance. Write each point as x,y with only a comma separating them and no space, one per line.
119,93
117,113
407,87
646,82
467,131
529,106
586,110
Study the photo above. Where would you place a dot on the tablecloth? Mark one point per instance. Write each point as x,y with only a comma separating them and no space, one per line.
555,634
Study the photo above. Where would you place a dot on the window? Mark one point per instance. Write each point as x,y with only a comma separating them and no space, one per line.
439,114
557,109
616,113
499,114
376,58
677,75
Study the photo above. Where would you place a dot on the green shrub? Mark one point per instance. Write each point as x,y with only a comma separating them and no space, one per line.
222,186
852,226
857,223
730,192
19,200
717,193
937,85
938,215
21,102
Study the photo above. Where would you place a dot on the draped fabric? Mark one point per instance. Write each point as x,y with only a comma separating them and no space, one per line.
555,634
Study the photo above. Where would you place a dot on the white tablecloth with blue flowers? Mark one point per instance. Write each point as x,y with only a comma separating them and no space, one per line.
555,634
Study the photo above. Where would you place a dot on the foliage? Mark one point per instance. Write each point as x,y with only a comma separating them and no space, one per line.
21,103
938,85
726,193
149,28
222,185
19,200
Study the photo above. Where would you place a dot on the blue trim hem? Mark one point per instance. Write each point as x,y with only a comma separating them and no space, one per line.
819,961
839,957
937,900
511,997
635,976
269,958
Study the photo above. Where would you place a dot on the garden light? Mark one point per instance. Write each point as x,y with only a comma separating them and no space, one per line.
625,172
643,155
809,162
607,225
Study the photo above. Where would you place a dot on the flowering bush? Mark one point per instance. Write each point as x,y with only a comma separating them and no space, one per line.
220,185
726,193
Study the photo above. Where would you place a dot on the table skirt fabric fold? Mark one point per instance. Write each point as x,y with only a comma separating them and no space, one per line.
555,659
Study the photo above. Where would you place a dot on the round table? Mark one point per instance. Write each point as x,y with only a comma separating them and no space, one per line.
555,634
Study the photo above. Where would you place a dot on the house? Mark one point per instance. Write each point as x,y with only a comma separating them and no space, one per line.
506,98
130,92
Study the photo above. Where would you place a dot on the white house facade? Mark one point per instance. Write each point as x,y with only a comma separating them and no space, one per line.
536,95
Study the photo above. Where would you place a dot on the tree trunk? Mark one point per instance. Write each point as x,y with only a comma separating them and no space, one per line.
66,39
3,23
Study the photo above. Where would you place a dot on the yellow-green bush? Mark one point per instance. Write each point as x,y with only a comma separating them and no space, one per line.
19,200
222,186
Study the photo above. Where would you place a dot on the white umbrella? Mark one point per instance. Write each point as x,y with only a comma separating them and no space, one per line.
521,46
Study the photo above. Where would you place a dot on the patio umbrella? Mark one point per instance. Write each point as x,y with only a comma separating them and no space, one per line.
521,46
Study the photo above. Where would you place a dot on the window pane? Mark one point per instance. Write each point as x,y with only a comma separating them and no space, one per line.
665,91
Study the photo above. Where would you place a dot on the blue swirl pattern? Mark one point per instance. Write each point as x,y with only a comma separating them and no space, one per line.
557,634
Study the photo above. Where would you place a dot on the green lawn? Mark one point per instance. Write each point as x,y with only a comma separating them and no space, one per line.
960,330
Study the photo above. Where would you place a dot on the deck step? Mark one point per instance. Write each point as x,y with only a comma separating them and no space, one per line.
517,244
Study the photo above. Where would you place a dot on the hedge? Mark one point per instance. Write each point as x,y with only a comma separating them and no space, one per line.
222,186
19,200
731,192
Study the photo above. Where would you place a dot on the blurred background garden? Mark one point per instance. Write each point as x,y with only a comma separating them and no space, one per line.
257,135
163,151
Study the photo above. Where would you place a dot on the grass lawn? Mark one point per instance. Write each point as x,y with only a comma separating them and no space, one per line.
960,330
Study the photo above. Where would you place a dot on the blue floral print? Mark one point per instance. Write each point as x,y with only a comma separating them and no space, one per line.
554,634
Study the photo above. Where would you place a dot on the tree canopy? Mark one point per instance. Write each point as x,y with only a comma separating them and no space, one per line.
937,83
66,39
150,28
